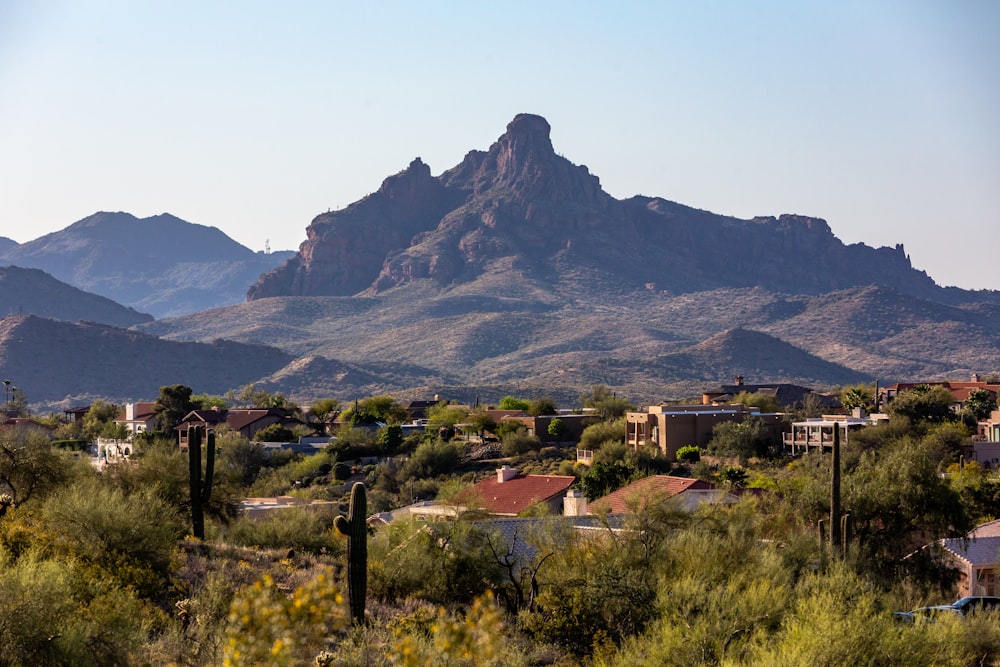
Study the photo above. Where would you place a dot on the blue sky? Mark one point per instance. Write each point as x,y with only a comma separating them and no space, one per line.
883,117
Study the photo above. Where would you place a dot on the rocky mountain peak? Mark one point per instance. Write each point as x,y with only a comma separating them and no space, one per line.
520,204
526,140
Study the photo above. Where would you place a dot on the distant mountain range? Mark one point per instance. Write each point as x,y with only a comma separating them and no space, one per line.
514,272
161,265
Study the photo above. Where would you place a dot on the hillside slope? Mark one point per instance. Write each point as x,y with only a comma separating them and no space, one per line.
32,291
162,265
53,361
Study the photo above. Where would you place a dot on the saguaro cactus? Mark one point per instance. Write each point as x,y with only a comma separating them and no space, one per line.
835,534
201,487
355,528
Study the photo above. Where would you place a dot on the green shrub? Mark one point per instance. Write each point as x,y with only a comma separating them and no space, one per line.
297,527
689,454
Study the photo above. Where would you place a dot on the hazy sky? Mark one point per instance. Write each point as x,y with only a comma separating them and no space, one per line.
883,117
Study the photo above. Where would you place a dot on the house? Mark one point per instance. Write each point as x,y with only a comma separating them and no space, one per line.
817,432
510,493
138,417
985,446
76,414
684,492
539,426
416,410
246,422
26,424
787,395
977,557
670,427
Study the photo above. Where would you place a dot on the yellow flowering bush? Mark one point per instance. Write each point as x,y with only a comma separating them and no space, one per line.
268,626
473,640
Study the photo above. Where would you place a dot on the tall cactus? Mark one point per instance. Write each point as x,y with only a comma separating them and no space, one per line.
355,528
835,527
201,488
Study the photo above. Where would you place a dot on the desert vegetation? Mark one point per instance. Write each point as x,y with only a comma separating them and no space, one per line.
102,567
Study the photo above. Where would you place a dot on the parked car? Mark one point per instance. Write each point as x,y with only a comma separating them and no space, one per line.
967,605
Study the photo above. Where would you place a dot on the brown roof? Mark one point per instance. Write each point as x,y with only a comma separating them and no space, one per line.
519,493
237,418
144,411
649,489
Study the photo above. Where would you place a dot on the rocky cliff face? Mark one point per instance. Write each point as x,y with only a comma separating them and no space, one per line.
521,207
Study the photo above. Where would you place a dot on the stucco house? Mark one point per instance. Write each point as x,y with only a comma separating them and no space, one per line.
977,557
138,417
670,427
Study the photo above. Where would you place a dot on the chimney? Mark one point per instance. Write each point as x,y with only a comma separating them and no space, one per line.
505,474
129,411
575,503
975,377
739,380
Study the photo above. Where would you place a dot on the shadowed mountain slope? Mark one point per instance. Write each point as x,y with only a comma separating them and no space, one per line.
53,361
31,291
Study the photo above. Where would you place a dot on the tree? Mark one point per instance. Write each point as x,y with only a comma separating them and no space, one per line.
763,402
858,396
100,414
29,466
519,442
557,428
543,405
274,433
980,404
734,476
596,435
689,454
481,421
323,410
514,403
390,438
208,401
173,404
431,459
605,477
373,409
605,402
899,502
924,403
445,415
744,440
252,397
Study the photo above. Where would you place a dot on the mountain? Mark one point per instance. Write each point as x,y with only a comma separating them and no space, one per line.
519,216
6,244
515,273
53,361
162,265
36,292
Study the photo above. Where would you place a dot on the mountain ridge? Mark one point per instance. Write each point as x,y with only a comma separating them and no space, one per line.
161,264
522,209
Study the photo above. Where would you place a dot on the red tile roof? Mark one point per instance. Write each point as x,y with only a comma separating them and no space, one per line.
519,493
650,489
